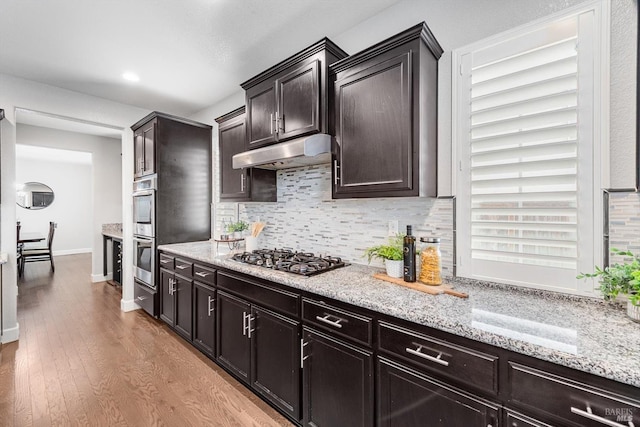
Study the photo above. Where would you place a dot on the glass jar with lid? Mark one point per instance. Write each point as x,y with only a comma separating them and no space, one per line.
430,261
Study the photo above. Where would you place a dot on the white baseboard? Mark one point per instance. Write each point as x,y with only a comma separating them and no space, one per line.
128,305
10,335
72,251
100,278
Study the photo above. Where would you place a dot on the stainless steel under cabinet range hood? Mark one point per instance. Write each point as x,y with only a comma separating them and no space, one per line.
308,150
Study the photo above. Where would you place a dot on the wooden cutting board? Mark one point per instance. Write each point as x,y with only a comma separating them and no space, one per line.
433,290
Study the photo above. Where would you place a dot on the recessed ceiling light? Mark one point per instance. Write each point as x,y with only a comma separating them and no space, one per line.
131,77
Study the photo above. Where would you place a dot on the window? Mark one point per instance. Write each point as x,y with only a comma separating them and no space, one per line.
530,120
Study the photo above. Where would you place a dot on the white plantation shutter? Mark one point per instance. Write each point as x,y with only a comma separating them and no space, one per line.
525,191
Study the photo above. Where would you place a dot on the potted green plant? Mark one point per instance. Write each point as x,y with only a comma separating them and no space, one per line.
391,253
236,228
620,279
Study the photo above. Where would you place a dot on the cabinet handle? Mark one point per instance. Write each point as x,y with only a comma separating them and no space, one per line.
210,307
165,261
202,273
271,124
590,415
281,124
244,323
142,298
302,356
335,172
334,323
277,123
242,182
250,319
436,359
181,267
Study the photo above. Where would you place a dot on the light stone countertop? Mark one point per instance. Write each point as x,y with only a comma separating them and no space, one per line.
581,333
112,230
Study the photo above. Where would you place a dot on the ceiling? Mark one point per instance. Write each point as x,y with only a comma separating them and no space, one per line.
189,54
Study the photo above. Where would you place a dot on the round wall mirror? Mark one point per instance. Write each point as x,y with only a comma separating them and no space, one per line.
34,195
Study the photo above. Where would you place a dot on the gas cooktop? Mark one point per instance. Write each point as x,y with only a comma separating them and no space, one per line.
302,263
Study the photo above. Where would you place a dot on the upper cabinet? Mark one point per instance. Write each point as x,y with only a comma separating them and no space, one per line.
290,99
143,149
385,106
246,184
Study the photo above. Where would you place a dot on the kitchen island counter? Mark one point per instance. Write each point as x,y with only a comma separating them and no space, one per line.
586,334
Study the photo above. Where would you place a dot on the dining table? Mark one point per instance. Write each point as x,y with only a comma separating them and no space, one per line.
31,237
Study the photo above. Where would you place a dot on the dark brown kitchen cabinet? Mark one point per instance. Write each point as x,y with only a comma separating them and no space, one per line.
176,302
144,149
262,348
233,348
568,400
290,99
337,382
246,184
410,399
385,101
204,318
514,419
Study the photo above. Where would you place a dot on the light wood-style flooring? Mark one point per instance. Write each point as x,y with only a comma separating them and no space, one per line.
81,361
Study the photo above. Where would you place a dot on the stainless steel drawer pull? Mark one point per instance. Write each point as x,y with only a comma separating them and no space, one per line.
436,359
182,267
336,177
334,323
244,323
590,415
249,329
165,261
202,273
211,300
142,298
302,356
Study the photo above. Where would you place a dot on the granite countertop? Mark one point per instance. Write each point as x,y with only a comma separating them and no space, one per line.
112,230
586,334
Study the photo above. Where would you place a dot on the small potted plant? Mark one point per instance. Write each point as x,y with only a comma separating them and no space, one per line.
620,279
391,253
236,228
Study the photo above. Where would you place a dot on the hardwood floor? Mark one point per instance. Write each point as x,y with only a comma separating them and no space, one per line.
81,361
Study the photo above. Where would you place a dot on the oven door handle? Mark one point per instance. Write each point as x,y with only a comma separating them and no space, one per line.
143,193
143,240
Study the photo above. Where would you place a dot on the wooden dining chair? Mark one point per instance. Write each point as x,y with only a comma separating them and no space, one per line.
40,254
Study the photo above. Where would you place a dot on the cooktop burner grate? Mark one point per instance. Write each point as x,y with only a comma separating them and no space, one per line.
301,263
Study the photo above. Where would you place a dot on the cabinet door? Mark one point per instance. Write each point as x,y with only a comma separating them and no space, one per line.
337,383
275,355
233,345
233,182
184,305
513,419
299,101
167,296
374,138
204,332
138,153
149,137
406,398
261,115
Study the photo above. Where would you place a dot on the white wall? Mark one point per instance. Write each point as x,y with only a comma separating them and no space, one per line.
16,92
71,209
106,178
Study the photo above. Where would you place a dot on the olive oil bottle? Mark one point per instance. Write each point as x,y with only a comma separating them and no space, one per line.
409,256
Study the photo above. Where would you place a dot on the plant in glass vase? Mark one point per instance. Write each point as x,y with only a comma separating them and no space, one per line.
620,279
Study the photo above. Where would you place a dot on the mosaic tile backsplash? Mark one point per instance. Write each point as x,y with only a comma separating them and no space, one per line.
306,218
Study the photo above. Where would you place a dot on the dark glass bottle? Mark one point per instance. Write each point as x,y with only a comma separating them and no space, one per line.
409,249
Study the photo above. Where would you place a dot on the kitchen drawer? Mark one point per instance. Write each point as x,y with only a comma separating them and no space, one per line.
166,261
206,275
266,296
568,402
146,298
338,321
184,267
467,366
518,420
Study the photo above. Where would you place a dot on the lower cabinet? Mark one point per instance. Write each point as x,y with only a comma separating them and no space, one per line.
337,382
514,419
262,348
176,302
408,398
204,318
